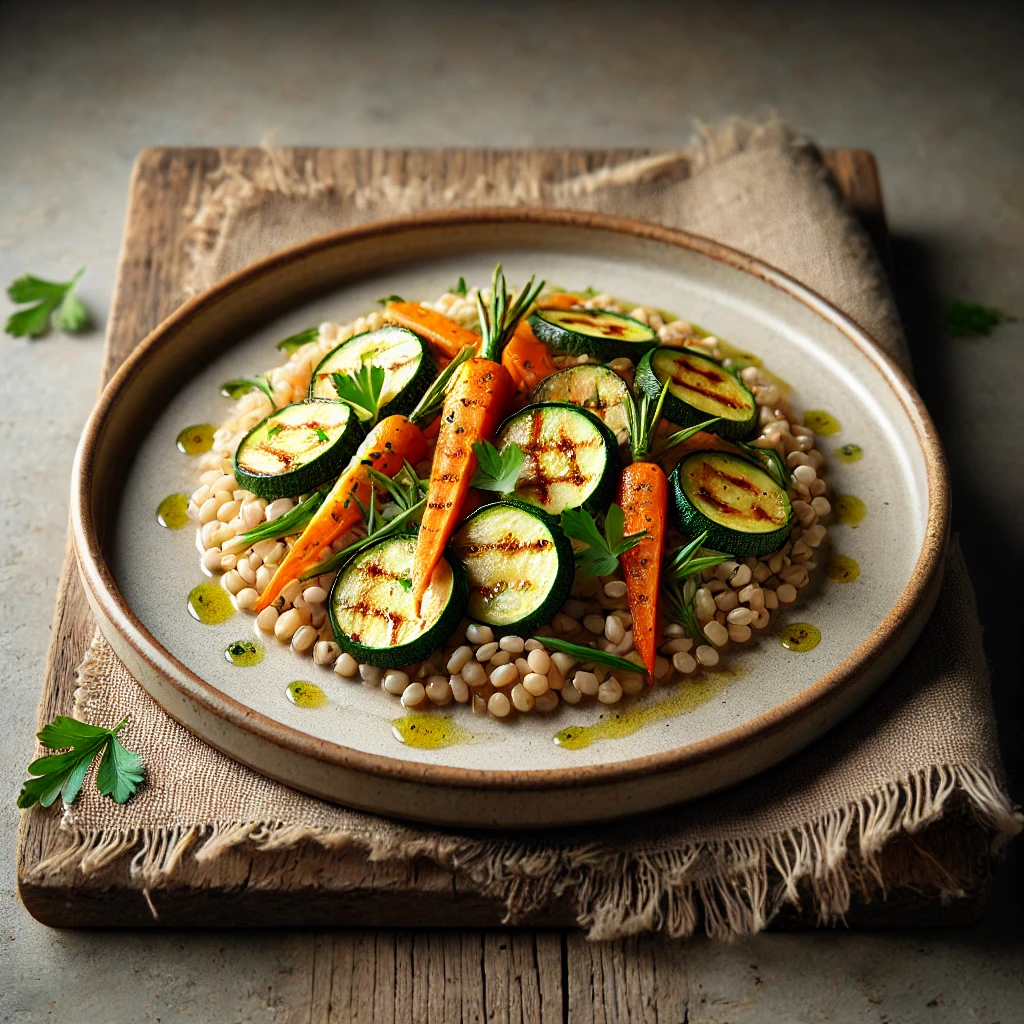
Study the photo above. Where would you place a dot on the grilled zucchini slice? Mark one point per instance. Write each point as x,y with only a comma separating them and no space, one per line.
572,458
372,609
698,387
742,507
519,565
593,332
297,448
596,388
409,368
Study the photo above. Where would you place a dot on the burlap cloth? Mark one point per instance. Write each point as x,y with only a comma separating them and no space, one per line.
915,772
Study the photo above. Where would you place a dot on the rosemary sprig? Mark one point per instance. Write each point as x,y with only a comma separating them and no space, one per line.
666,444
591,654
680,588
498,322
771,460
405,488
296,341
430,404
391,526
642,419
293,521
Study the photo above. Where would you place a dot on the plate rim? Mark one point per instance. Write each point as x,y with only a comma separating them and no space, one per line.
99,582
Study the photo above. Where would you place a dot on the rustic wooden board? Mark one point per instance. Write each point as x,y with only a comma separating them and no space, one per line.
529,975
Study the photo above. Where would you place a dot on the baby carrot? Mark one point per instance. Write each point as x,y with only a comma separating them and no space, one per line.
448,337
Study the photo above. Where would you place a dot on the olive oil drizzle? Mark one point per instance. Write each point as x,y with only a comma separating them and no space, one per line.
172,512
427,732
196,439
849,510
849,453
822,422
841,568
210,603
800,637
689,695
304,694
244,653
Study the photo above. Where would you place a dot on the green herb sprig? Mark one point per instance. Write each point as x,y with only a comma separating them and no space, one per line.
679,587
430,405
385,299
293,521
771,460
499,321
460,288
362,390
497,470
972,320
62,774
54,303
296,341
588,654
600,557
666,444
243,385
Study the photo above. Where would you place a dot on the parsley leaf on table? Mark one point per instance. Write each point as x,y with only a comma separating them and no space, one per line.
497,470
62,774
601,555
972,319
54,302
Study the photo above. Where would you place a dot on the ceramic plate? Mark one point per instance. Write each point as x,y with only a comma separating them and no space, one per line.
770,703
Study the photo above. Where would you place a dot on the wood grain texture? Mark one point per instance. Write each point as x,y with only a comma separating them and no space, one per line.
368,975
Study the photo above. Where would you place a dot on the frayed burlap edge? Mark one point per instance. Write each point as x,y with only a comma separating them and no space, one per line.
733,888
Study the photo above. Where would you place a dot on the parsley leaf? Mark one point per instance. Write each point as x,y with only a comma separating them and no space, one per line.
460,288
62,774
295,341
389,298
361,390
321,434
275,429
972,319
54,301
497,471
600,557
243,385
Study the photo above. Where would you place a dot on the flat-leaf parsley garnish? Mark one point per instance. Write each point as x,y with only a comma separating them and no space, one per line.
600,557
497,470
55,302
62,774
243,385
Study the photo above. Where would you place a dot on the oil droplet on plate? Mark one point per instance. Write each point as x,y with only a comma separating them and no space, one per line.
849,453
689,695
425,732
244,653
172,512
800,636
821,422
305,694
849,510
196,439
841,568
210,603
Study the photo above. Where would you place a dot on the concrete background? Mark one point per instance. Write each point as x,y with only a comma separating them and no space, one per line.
936,90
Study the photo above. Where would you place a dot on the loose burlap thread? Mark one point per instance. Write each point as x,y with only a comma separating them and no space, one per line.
811,832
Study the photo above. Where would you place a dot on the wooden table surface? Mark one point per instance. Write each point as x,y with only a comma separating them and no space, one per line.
528,974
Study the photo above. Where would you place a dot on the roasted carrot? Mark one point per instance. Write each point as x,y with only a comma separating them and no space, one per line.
527,359
563,300
477,401
386,448
448,337
643,496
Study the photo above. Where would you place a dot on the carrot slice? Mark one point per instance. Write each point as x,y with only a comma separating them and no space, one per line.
385,449
563,300
475,404
643,495
448,337
527,359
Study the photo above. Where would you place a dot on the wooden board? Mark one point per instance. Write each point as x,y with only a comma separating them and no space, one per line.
274,889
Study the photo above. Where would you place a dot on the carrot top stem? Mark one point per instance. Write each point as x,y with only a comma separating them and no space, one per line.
498,322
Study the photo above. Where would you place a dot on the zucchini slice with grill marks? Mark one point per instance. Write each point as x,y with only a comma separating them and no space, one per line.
409,368
742,507
297,448
373,612
572,458
594,332
519,564
698,387
596,388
